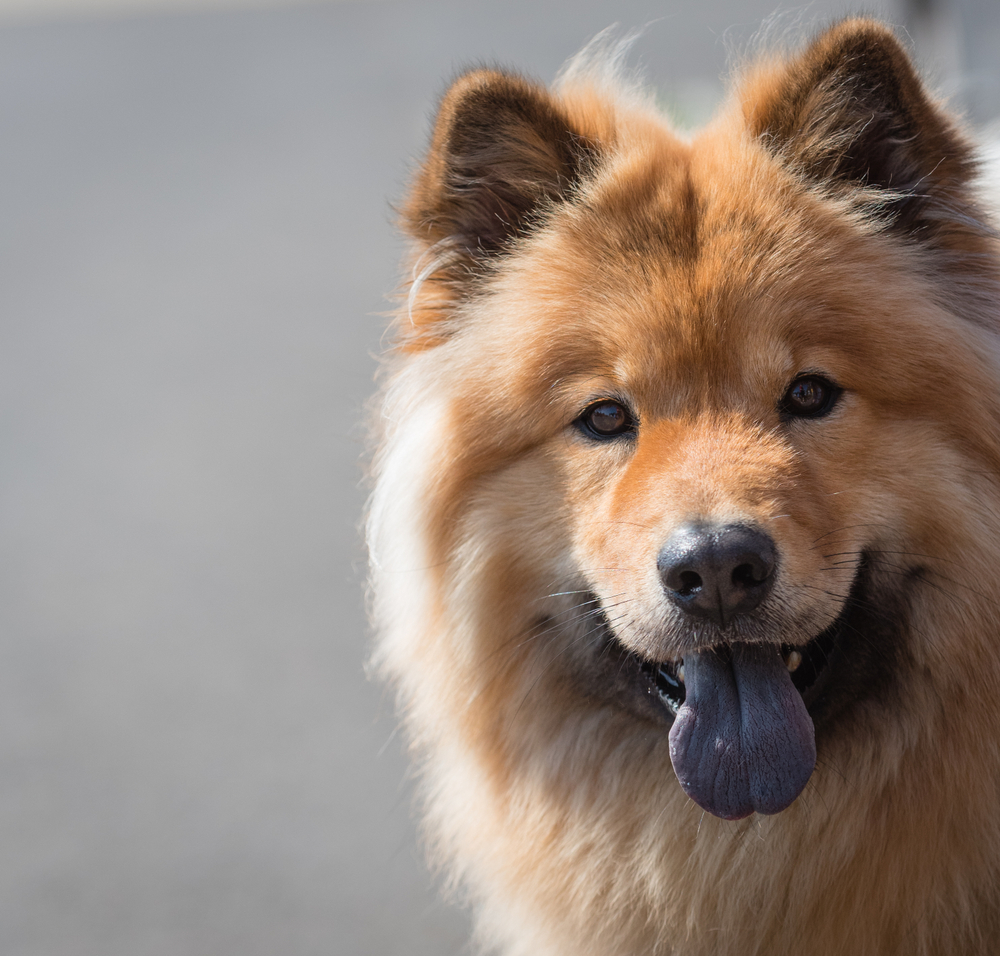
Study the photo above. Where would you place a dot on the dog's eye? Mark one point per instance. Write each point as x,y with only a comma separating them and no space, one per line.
606,419
809,396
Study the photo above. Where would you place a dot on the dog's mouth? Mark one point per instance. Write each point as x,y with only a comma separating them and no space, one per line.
742,738
741,715
806,664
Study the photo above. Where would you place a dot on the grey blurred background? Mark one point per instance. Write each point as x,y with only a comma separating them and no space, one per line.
197,243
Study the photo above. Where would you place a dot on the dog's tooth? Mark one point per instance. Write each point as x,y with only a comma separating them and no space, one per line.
793,660
680,673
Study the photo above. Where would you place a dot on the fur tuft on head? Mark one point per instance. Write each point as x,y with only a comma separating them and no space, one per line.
602,66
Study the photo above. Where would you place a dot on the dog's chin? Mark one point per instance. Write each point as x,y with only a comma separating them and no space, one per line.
855,658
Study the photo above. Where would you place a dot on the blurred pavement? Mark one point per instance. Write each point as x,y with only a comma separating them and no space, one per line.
196,243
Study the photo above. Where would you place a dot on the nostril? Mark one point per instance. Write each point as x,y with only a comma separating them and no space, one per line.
747,576
690,581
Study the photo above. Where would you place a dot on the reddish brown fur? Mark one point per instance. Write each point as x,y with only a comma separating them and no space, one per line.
574,248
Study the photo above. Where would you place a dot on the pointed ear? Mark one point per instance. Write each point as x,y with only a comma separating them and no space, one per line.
851,113
502,152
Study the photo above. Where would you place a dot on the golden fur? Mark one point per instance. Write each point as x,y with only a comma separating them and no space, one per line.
571,247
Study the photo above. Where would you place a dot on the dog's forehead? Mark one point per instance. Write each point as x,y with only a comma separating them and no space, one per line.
681,260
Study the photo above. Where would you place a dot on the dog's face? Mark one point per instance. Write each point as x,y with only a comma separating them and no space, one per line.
703,417
708,427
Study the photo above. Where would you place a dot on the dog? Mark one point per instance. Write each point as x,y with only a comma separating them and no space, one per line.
685,524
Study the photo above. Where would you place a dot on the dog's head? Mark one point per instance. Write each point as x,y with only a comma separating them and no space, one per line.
704,424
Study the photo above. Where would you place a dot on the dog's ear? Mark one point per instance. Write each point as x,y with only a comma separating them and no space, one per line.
850,113
502,152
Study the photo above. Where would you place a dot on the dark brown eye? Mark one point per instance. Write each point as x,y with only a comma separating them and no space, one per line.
606,419
810,396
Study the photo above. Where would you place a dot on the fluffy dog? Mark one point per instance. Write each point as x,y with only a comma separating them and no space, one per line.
686,527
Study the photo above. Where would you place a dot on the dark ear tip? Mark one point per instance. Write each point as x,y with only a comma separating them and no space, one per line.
861,34
474,87
485,88
861,45
860,30
464,93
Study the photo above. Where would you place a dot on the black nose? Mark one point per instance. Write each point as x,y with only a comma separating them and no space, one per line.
717,572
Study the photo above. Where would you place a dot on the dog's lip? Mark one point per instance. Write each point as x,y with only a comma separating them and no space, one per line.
808,663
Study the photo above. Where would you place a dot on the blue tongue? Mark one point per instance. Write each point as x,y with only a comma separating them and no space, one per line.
743,739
